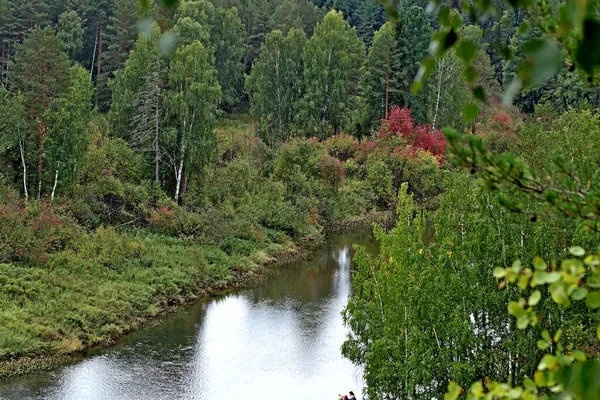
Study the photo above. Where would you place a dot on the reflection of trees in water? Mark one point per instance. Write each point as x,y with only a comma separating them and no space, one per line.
298,309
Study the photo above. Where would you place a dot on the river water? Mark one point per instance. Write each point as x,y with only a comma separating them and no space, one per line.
281,340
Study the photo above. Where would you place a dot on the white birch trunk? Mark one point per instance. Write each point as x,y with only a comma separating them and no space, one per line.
22,151
55,184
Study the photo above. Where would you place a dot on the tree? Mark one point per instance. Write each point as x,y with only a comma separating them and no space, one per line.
301,14
258,14
70,32
412,34
40,71
274,84
119,36
377,78
13,131
332,60
192,98
67,138
137,105
227,43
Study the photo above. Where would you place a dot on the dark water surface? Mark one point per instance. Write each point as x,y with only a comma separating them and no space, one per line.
279,341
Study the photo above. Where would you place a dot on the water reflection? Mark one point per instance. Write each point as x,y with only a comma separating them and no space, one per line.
280,340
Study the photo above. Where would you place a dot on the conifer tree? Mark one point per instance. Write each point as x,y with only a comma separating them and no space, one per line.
120,35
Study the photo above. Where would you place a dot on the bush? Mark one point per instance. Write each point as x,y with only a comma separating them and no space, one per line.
342,146
30,234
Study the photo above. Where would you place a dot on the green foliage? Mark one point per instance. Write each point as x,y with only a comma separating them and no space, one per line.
332,59
274,84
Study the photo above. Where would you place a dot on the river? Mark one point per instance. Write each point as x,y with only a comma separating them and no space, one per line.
280,340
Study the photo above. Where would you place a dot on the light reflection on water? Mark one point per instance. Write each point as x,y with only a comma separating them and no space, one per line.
279,341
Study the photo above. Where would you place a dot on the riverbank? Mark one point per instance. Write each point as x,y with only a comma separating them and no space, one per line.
55,312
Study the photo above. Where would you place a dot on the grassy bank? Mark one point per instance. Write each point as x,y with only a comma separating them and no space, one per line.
116,282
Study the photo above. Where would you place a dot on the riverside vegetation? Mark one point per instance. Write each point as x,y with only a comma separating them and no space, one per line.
152,155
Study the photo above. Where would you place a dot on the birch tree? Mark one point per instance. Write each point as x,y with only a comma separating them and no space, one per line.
192,99
67,139
13,132
274,84
332,60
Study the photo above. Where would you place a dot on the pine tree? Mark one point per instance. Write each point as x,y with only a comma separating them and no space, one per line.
258,15
332,60
120,35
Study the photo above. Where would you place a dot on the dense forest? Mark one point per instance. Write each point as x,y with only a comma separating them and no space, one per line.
151,155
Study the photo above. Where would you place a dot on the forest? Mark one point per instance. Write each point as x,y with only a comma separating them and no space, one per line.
154,153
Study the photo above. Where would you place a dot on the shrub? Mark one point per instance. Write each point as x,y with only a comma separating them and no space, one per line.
32,233
342,146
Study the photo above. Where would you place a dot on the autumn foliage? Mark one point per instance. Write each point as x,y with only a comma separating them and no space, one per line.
400,123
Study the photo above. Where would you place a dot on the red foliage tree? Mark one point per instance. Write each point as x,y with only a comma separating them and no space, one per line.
400,122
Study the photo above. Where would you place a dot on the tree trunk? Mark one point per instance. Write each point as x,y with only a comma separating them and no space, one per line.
42,129
94,54
55,184
179,174
439,91
2,82
99,70
156,144
180,167
24,165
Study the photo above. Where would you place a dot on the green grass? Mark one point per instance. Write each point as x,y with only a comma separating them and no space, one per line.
95,294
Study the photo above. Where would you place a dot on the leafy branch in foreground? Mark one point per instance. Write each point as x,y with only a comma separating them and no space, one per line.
562,191
562,370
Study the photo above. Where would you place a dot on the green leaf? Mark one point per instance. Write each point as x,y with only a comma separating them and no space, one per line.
548,362
553,277
557,335
543,57
593,300
499,272
470,111
546,335
466,50
579,355
579,294
454,391
448,40
515,309
539,264
535,298
587,55
577,251
479,94
470,74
